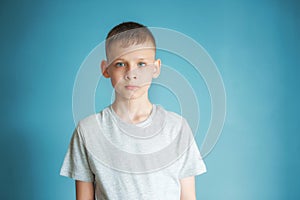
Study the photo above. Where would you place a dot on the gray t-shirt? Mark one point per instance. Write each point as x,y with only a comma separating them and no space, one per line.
133,161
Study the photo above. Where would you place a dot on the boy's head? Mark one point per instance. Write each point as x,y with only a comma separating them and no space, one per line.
131,64
128,34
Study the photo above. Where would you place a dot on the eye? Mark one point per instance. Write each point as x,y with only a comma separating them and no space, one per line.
120,64
142,64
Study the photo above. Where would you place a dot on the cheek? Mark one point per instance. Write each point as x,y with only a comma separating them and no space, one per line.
115,78
146,78
146,75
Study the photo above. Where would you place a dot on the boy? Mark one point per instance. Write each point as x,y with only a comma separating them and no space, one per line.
147,137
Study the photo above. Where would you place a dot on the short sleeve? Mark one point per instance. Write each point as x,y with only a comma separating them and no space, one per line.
192,163
75,164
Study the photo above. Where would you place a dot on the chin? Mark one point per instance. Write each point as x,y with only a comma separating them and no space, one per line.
131,95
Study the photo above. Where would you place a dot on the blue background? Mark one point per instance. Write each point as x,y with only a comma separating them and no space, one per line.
255,45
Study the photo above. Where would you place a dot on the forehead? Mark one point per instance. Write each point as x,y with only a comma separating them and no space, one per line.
117,51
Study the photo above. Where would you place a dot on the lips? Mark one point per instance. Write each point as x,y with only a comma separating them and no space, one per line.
131,87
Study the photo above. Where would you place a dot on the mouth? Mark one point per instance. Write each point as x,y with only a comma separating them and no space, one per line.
131,87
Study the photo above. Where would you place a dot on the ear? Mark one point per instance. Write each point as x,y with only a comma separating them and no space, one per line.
104,69
156,69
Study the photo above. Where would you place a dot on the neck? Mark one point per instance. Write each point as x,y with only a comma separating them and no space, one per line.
132,110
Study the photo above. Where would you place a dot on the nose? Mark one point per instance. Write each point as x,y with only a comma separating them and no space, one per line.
131,73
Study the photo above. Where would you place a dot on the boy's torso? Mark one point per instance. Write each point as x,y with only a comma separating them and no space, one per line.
139,161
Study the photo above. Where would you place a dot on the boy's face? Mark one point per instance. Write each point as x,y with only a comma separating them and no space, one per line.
131,69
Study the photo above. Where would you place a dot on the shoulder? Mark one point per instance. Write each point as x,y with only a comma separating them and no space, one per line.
171,116
87,121
92,121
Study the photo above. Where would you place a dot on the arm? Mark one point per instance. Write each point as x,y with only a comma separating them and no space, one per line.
188,188
84,190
